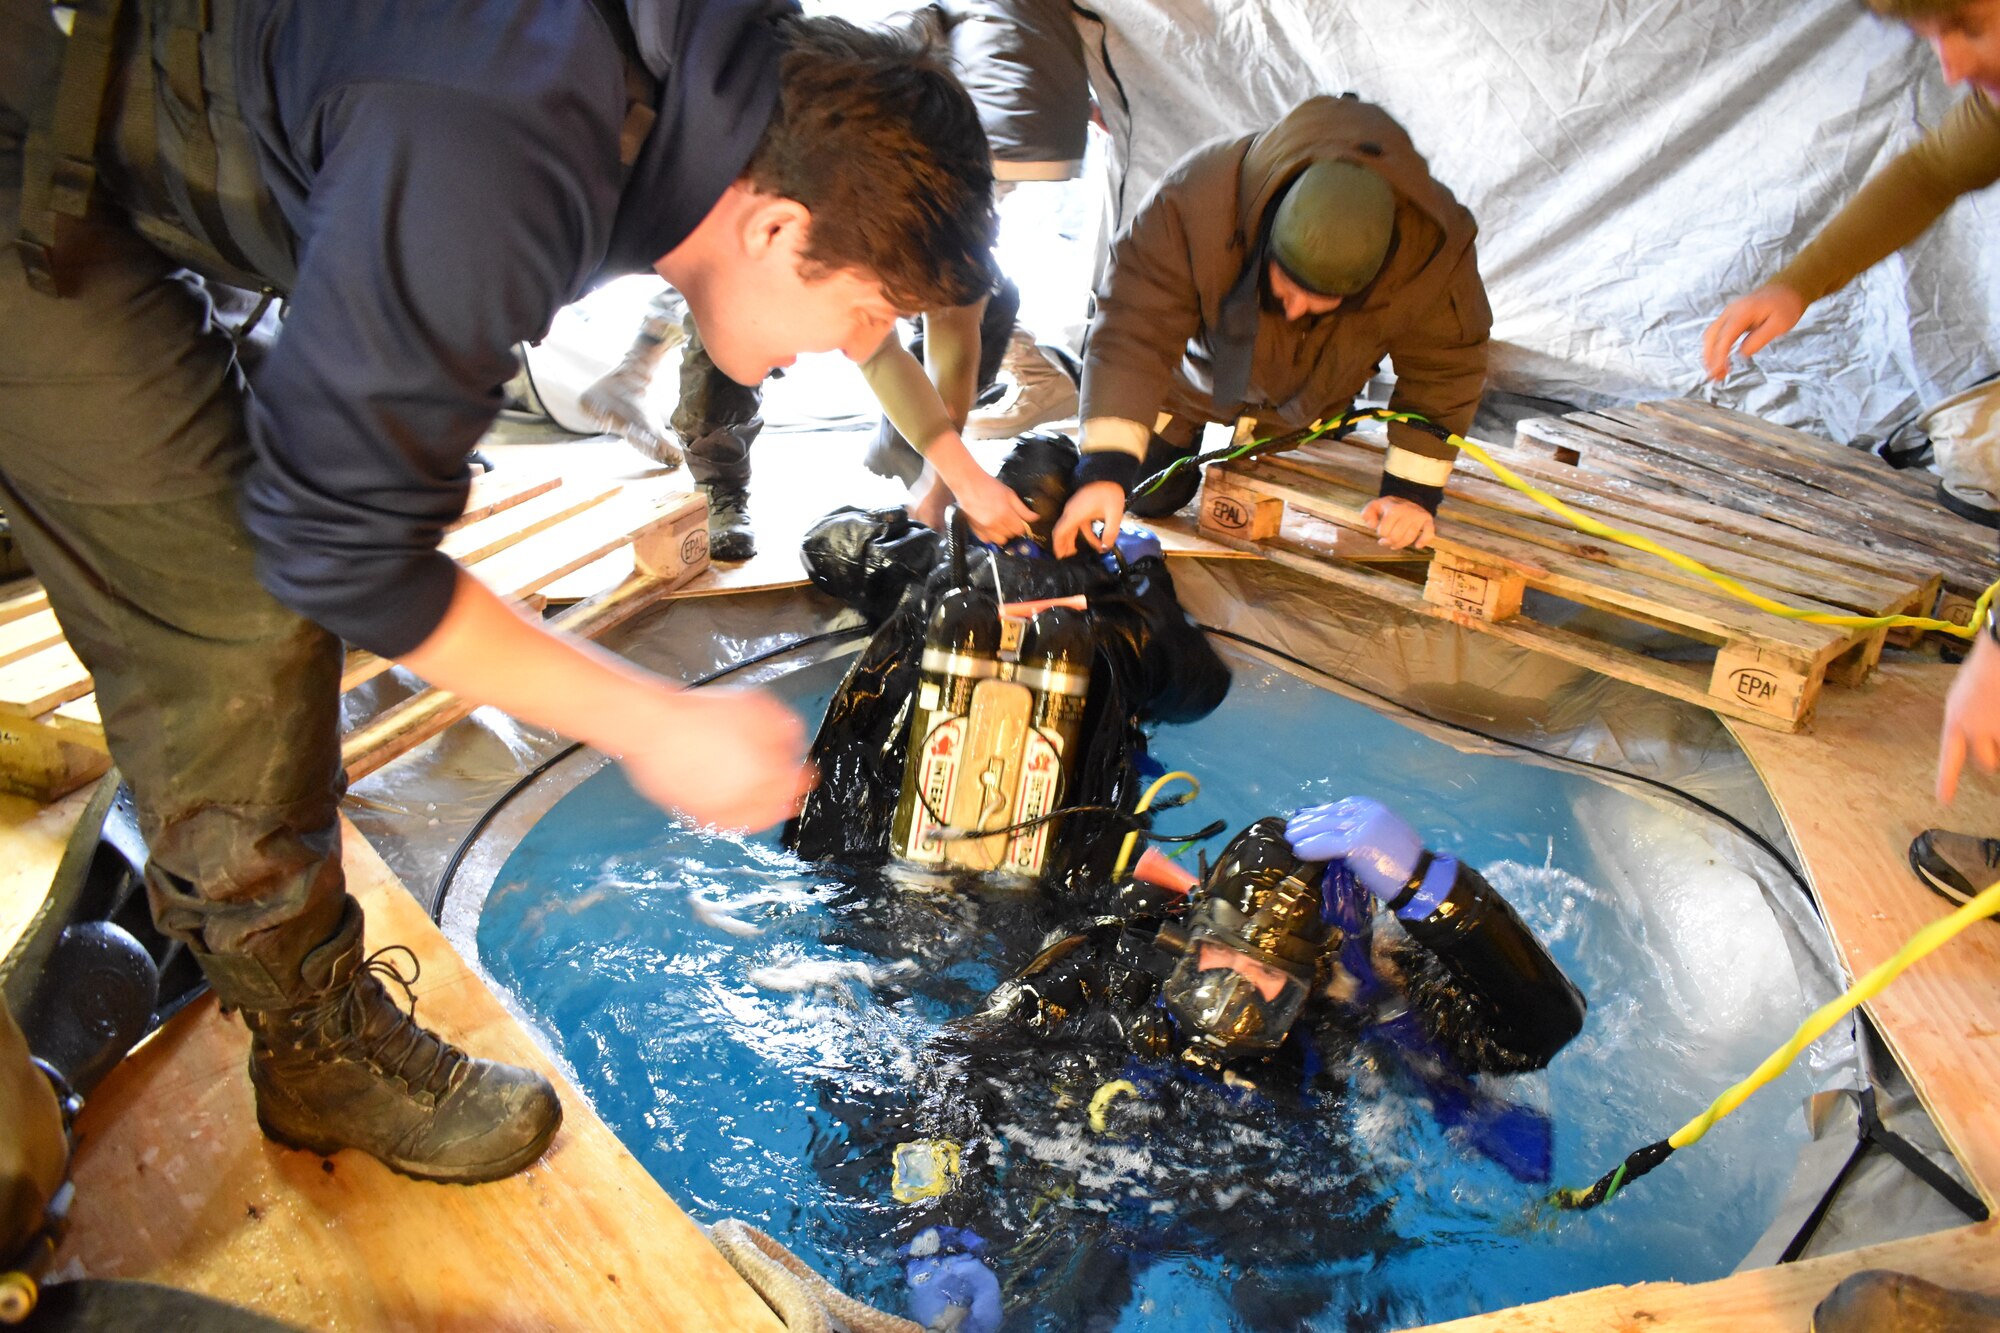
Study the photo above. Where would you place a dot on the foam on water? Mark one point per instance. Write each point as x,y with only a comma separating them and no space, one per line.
759,1034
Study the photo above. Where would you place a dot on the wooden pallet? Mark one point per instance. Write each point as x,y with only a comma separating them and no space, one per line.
1813,495
520,532
1494,544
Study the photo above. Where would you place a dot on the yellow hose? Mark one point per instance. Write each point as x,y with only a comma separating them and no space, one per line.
1586,524
1145,802
1100,1101
1925,941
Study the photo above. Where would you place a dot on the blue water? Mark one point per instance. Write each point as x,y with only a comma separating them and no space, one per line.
741,1020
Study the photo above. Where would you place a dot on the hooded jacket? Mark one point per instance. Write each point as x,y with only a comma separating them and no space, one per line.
1183,326
450,173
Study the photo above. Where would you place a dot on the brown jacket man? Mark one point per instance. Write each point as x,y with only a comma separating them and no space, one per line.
1192,328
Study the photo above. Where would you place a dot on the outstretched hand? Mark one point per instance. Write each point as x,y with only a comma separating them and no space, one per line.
1097,503
1755,320
1372,839
734,759
1971,717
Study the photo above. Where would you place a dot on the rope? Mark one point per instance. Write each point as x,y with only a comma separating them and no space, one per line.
1582,522
805,1301
1921,944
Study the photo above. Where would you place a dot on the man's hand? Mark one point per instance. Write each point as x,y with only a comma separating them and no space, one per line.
989,504
734,759
1971,717
1100,502
1400,524
1756,319
996,514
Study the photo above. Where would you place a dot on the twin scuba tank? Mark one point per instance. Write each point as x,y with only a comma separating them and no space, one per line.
1000,698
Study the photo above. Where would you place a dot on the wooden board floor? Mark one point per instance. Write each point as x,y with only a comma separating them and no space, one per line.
176,1185
1854,792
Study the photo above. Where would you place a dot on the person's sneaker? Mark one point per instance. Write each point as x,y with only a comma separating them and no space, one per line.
729,533
1957,866
1040,389
1976,507
348,1068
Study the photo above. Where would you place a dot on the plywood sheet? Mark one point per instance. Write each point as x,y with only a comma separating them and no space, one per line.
1766,1300
1854,793
175,1184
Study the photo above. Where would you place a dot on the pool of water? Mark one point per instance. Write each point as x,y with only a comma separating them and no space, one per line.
759,1034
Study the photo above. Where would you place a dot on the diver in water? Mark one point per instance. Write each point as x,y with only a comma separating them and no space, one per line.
1212,1039
991,728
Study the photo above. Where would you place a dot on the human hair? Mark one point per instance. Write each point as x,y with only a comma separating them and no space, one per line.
876,137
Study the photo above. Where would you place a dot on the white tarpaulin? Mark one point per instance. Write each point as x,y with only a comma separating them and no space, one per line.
1632,167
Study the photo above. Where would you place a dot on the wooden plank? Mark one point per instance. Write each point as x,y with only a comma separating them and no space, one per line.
1763,1300
41,763
1890,518
1814,468
1696,613
1853,796
28,634
494,491
546,556
1783,441
78,720
1780,541
496,532
19,604
41,680
1826,489
1686,491
1681,680
176,1185
1769,547
1476,499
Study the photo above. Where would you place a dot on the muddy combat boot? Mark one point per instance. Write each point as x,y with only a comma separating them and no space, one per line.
616,403
720,462
729,534
348,1068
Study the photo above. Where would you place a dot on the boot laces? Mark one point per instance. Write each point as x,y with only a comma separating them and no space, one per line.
402,1045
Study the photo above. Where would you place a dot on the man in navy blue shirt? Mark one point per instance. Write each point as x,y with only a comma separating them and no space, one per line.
425,182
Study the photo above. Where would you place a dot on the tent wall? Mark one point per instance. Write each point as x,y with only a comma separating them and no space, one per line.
1632,167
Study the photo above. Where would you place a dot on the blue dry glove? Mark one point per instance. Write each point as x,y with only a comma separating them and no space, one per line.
1377,846
943,1272
1134,544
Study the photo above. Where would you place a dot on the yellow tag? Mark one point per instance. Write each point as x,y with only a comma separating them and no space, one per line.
925,1169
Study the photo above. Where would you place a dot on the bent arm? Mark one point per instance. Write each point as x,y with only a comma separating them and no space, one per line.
1440,372
733,759
1902,201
